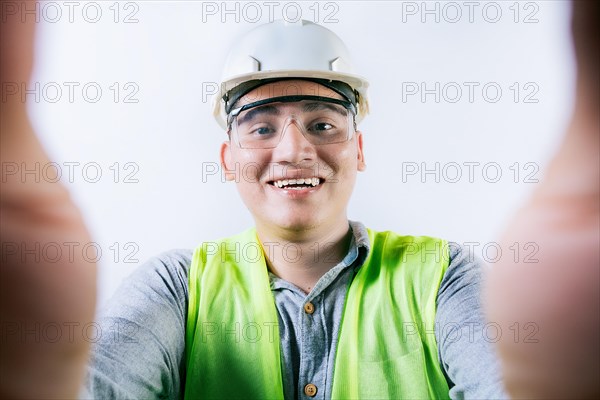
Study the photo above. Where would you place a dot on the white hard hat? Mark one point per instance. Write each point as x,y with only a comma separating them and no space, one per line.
284,50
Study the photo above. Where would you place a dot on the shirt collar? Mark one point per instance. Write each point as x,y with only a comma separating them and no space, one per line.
357,254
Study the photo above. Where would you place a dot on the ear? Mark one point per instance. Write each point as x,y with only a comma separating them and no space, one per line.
226,162
360,154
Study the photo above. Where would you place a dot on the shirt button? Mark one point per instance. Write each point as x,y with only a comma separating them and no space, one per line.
309,308
310,390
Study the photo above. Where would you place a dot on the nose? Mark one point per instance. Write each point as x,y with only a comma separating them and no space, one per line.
293,147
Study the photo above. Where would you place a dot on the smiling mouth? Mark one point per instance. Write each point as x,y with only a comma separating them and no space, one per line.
297,184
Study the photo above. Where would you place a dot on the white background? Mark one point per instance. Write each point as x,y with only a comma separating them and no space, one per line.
174,53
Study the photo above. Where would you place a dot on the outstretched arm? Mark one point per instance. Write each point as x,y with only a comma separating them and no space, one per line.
140,353
560,293
42,299
465,341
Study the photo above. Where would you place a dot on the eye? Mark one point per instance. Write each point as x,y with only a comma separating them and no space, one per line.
262,131
321,126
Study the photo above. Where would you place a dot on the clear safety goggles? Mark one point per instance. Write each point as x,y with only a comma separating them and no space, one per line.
322,120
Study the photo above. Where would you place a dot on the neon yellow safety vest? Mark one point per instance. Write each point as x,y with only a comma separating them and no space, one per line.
386,346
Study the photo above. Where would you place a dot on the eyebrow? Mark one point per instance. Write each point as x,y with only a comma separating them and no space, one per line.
274,110
314,106
254,112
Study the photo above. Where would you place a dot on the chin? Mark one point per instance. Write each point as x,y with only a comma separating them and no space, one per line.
295,222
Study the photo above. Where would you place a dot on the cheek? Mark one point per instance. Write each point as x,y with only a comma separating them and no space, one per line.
343,161
248,167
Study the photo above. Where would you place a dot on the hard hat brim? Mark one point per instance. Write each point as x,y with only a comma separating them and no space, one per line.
357,82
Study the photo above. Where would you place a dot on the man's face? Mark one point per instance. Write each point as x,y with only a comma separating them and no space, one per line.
257,171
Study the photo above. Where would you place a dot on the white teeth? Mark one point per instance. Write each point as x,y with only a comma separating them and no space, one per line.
302,181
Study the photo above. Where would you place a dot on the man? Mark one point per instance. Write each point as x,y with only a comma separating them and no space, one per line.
307,304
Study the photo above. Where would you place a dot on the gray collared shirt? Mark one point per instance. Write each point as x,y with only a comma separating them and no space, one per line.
141,351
